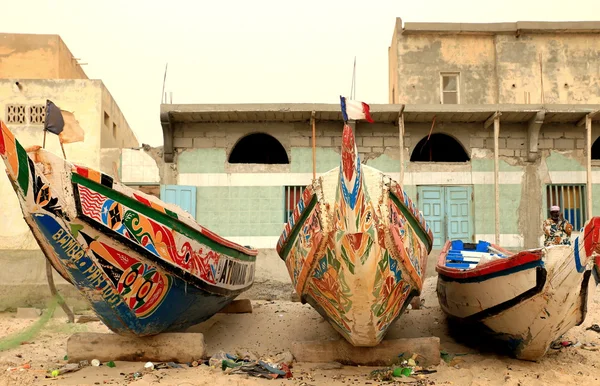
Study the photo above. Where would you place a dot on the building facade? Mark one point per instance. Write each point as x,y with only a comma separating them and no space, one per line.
34,68
497,63
448,158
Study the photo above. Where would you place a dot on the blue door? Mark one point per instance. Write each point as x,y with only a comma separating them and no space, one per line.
180,195
431,203
448,211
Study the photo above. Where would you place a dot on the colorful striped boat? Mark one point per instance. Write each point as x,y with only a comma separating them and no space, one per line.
356,248
144,266
530,298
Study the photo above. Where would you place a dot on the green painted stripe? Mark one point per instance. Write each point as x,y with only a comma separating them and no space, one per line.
23,177
172,214
412,221
161,218
298,226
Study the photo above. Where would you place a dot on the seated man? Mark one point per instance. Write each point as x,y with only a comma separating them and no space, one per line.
557,230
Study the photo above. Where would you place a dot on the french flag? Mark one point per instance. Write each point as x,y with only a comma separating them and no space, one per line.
354,110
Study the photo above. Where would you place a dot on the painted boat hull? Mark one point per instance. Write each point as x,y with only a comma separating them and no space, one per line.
144,266
356,248
527,300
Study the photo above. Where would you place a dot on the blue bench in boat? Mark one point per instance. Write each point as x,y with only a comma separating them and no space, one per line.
467,255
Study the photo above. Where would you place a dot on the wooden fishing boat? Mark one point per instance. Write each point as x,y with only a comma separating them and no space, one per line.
528,299
144,266
356,248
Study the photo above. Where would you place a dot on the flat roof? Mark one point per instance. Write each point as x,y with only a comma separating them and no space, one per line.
533,27
382,113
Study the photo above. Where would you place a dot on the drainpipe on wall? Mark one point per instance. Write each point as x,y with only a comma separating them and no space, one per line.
402,131
495,119
533,134
587,120
588,156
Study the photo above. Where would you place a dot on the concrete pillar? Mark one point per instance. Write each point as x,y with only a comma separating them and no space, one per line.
496,182
401,129
588,145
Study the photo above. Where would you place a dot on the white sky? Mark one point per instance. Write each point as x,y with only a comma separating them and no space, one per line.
249,51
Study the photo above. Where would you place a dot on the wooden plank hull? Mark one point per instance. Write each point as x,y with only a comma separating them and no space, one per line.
528,299
356,248
144,266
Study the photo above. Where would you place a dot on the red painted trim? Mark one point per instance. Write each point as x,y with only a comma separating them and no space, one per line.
216,238
514,260
2,145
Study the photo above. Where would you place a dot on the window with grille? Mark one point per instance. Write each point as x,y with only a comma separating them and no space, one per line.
37,114
16,114
450,88
292,196
571,199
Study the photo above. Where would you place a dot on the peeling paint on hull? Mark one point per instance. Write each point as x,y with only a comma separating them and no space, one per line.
144,266
528,299
356,248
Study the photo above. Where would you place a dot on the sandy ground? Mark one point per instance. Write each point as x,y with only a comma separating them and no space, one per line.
274,325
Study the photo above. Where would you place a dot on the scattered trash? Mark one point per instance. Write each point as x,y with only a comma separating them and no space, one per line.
272,367
167,365
95,362
69,368
594,327
111,364
66,358
448,357
26,366
590,347
406,368
558,344
149,366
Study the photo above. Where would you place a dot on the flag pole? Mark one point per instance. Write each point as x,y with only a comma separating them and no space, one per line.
314,144
62,148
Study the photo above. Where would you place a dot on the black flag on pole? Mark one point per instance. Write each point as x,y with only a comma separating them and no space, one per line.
54,119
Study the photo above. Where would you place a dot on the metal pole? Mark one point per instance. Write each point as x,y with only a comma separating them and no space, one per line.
496,182
401,128
588,145
314,144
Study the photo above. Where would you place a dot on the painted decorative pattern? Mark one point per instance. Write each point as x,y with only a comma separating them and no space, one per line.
77,231
303,203
330,267
195,258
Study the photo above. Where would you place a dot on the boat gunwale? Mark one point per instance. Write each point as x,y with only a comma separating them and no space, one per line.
412,220
169,267
493,268
165,219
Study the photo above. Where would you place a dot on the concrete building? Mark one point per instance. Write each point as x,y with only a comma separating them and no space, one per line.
484,153
497,63
452,177
34,68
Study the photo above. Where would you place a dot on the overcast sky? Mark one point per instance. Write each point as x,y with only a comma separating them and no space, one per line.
249,51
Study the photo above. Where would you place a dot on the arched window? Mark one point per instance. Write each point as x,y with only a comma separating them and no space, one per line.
439,148
596,149
258,148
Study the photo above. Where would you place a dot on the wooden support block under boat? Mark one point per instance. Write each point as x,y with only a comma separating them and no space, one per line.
384,354
241,306
168,347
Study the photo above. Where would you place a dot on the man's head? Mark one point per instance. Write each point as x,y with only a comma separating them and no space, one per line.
554,212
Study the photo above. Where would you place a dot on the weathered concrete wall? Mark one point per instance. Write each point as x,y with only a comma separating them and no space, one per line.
116,132
37,57
22,280
496,67
78,96
422,58
246,202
